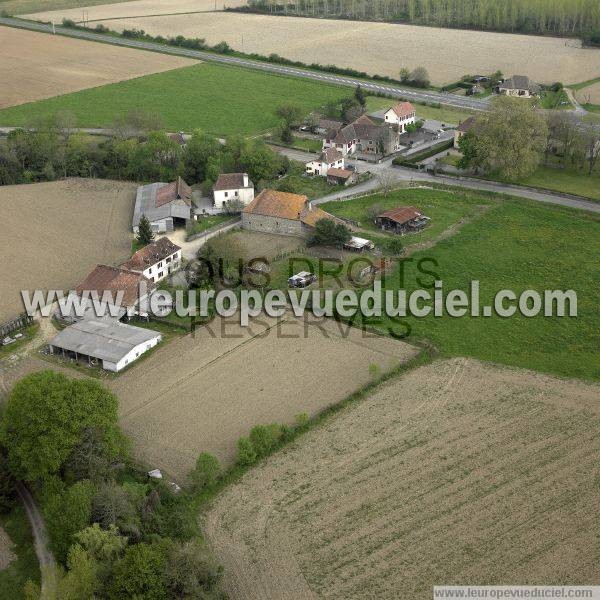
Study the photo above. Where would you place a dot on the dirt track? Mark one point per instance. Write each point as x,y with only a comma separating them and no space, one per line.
40,66
54,233
204,393
377,48
457,473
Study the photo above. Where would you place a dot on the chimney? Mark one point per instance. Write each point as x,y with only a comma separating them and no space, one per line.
245,179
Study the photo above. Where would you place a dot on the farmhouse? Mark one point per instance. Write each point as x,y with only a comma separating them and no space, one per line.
520,86
329,159
282,213
178,138
363,136
405,219
114,344
340,177
155,261
402,114
324,125
462,129
116,286
235,187
165,205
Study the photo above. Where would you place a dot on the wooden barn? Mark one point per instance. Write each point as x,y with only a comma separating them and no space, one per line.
405,219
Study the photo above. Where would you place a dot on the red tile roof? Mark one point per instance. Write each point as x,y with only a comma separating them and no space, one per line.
176,190
404,109
340,173
105,278
402,214
230,181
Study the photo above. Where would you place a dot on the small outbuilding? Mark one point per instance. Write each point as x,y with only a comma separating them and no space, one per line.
404,219
462,129
302,279
341,177
106,341
359,244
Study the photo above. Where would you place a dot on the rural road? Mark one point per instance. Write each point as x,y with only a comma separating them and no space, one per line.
400,174
40,540
423,96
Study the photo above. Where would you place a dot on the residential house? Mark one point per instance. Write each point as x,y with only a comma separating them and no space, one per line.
402,114
341,177
324,125
233,187
165,205
365,137
462,129
117,290
404,219
519,86
282,213
105,341
155,261
179,139
331,158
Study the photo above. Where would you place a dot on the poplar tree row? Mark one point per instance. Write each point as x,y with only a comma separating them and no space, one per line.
564,17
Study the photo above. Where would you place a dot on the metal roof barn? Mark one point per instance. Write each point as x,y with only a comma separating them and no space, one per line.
114,343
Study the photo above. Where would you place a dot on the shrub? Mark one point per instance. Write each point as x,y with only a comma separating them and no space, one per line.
246,454
264,438
206,473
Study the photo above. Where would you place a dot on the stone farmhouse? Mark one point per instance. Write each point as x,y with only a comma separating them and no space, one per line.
365,137
282,213
402,114
341,177
155,261
519,86
165,205
235,187
462,129
331,158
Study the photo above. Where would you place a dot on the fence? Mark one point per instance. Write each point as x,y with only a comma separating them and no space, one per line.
19,322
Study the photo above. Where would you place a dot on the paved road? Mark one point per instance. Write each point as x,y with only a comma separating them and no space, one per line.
402,174
392,90
40,540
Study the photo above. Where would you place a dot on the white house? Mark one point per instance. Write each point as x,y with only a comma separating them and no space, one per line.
155,261
329,159
402,114
233,186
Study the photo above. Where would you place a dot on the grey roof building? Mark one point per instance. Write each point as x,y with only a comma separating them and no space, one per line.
165,205
519,85
106,340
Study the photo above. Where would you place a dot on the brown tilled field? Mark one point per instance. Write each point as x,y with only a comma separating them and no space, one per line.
203,393
40,65
590,94
381,48
54,233
456,473
133,8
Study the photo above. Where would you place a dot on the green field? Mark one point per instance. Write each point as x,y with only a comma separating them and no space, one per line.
220,100
514,245
444,209
568,180
22,7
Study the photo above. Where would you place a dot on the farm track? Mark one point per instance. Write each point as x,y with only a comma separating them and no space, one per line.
330,79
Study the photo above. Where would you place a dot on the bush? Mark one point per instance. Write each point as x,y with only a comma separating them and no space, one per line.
69,23
264,438
246,454
395,247
206,473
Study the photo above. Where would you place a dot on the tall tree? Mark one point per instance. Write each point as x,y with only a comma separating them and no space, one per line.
145,234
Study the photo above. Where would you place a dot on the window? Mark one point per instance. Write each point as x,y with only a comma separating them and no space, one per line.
159,265
161,275
226,194
152,279
168,260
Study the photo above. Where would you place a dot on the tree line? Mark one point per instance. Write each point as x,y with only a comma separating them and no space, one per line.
137,149
562,17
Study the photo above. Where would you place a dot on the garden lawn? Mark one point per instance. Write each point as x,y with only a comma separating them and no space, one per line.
569,181
444,208
443,113
220,100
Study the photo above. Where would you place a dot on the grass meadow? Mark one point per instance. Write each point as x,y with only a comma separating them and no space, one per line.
514,245
220,100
